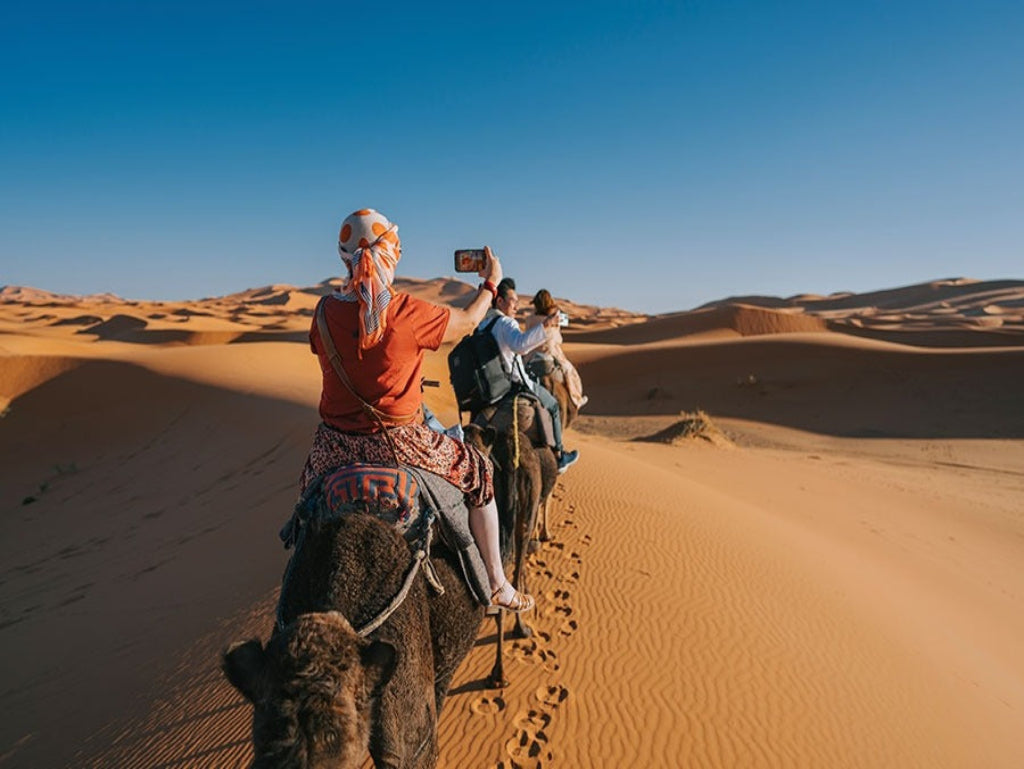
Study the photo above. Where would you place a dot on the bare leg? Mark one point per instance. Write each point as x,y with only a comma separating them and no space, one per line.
483,522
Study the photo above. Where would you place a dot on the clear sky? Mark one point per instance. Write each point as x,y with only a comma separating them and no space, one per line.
646,155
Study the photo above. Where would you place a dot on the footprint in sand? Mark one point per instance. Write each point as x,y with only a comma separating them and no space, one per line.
540,569
537,720
487,706
570,579
586,539
550,661
568,628
528,748
525,651
551,695
557,610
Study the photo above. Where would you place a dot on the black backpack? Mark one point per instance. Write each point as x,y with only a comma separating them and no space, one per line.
477,370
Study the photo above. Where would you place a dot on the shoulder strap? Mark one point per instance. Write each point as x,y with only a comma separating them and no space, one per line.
332,355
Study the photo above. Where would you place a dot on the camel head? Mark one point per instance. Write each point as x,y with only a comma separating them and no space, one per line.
312,689
481,438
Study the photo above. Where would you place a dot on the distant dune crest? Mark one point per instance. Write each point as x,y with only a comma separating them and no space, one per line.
955,312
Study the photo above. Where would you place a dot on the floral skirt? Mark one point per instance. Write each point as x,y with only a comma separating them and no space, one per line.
417,445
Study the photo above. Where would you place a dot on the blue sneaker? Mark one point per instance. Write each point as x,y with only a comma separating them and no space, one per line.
567,460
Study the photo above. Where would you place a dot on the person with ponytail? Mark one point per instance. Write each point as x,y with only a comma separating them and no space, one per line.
544,307
376,417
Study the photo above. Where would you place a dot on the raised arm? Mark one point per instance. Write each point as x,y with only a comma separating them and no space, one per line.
463,321
518,341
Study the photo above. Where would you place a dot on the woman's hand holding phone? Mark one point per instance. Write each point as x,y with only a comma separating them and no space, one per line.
492,267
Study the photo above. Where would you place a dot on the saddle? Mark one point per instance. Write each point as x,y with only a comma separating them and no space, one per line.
416,503
529,415
542,364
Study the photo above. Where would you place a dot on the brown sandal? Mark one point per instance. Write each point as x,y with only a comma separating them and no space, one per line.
518,603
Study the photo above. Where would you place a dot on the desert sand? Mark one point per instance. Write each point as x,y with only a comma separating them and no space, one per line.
831,575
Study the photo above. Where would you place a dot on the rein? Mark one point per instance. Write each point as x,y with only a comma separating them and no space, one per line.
403,593
420,559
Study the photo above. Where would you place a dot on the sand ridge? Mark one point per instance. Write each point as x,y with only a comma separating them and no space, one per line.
835,583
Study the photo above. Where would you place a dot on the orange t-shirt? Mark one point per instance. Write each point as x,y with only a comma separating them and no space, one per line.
387,376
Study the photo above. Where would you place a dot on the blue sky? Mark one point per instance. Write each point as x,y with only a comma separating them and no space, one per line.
647,155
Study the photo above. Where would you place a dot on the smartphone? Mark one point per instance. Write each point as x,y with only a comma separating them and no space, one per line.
563,319
470,260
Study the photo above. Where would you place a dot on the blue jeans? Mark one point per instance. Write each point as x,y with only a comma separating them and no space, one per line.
548,401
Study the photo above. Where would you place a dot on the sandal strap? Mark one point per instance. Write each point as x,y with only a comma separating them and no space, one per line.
518,602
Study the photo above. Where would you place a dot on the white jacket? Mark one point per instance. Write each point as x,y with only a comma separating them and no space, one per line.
513,343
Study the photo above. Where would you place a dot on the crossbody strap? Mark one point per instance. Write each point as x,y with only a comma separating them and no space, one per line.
375,414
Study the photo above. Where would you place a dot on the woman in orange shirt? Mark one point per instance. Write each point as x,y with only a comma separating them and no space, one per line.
381,335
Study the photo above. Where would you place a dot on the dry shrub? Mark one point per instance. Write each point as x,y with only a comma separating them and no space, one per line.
694,426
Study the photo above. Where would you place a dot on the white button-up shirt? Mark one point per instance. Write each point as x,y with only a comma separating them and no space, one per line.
513,343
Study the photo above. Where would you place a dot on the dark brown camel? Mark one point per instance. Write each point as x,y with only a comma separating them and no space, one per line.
322,695
524,476
554,383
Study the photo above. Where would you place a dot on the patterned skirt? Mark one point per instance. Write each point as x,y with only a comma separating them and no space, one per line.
415,445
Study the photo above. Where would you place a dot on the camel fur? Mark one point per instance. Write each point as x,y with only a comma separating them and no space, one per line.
322,696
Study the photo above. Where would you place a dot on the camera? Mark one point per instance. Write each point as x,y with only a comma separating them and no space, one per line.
470,259
563,319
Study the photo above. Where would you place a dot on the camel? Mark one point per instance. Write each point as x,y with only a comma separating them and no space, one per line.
554,383
524,477
322,694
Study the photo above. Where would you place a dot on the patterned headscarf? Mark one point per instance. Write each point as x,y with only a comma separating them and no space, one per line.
368,244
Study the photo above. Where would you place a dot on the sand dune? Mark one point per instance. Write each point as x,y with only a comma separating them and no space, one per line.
835,580
733,320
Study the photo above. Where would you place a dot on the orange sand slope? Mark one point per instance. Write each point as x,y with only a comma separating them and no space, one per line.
836,581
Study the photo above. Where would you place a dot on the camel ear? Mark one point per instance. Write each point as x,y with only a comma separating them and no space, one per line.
245,666
378,660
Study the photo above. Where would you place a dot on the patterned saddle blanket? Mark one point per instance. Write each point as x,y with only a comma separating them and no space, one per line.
390,493
407,498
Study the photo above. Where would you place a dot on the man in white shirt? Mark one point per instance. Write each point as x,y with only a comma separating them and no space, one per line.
513,343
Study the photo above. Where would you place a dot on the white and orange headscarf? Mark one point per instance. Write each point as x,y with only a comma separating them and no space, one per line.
369,246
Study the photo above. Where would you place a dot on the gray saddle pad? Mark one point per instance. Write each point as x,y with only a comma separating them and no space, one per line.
448,502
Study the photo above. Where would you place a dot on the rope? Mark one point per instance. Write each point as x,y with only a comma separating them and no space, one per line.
417,561
515,431
421,558
381,618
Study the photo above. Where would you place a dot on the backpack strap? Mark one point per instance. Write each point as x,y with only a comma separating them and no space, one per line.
489,329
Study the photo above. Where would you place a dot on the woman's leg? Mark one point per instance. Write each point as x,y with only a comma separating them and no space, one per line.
483,523
573,382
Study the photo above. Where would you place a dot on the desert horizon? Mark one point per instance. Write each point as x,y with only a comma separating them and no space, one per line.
828,573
